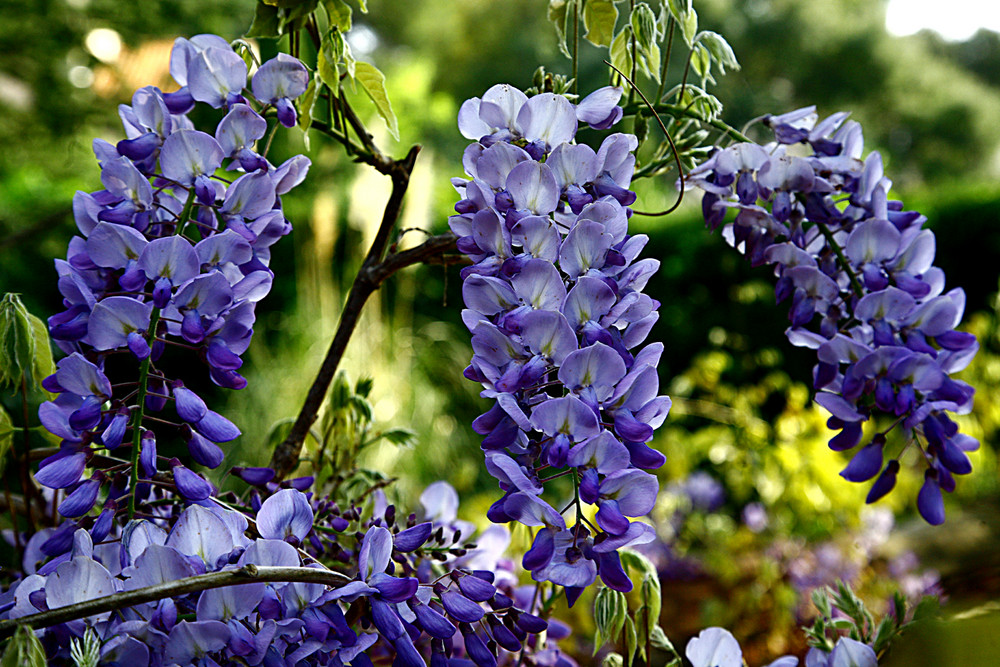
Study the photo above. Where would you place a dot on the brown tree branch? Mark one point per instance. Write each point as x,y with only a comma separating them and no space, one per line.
247,574
374,270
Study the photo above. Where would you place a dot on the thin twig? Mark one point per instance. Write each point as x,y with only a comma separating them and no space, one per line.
673,147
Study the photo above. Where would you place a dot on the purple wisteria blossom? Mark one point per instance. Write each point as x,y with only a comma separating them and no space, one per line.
558,318
170,253
858,271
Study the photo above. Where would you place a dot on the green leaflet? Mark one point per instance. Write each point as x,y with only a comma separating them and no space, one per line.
23,650
339,13
373,82
25,352
599,19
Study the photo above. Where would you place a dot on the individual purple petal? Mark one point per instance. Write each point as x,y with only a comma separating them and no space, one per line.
476,648
147,454
414,537
541,551
533,188
714,647
600,109
189,405
609,567
539,285
885,482
476,589
585,248
191,485
852,653
81,500
113,319
217,428
201,532
568,415
930,503
250,196
865,464
548,118
433,622
461,608
287,513
62,469
291,172
189,641
78,580
216,76
394,589
281,76
112,246
158,564
203,451
385,619
376,550
172,257
548,333
634,490
238,131
532,511
229,602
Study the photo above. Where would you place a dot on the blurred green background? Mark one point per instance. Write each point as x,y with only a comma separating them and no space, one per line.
742,415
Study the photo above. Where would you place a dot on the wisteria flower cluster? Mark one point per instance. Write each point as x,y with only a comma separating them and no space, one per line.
864,294
555,305
417,589
170,254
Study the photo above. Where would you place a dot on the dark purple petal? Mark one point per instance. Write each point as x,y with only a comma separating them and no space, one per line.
191,485
609,566
461,608
217,428
930,503
113,434
866,463
413,538
394,589
81,500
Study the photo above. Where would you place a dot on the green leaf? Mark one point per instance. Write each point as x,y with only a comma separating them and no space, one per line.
701,61
610,610
25,352
886,631
658,638
613,660
558,14
339,13
631,640
373,83
17,344
24,650
689,26
644,24
642,629
621,51
599,19
306,103
679,9
266,24
927,608
42,364
363,387
722,53
402,437
363,4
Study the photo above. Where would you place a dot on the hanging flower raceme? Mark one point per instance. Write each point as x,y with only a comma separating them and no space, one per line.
858,270
407,589
169,253
555,305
